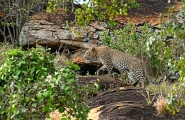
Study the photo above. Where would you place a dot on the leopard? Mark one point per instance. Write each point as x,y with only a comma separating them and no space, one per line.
111,58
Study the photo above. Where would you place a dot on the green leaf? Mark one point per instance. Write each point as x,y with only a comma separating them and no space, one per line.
68,63
37,71
39,96
41,58
97,86
44,69
63,118
61,109
47,115
76,67
46,94
27,99
72,80
67,70
173,112
16,77
34,105
63,87
32,70
49,3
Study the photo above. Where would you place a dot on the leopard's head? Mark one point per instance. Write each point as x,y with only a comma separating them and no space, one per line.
91,54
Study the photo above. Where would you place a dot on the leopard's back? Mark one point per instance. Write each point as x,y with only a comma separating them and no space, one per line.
119,60
114,58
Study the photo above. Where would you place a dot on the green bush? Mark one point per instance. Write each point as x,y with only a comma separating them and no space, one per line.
30,66
175,28
102,10
140,42
31,87
176,96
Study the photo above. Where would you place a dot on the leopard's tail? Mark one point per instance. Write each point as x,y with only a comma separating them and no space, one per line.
149,78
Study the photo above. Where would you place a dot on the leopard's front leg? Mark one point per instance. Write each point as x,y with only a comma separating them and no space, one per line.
103,68
106,67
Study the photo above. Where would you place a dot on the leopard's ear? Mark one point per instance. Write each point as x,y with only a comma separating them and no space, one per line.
93,49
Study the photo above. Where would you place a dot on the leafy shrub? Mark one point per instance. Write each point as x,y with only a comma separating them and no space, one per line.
31,87
30,66
175,28
140,42
102,10
176,96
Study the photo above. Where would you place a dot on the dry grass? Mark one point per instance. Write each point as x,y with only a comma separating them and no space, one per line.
3,48
147,97
60,60
164,88
161,105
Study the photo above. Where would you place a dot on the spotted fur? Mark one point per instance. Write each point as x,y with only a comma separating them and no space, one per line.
111,58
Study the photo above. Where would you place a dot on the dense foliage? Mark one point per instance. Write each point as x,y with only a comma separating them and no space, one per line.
32,65
103,10
176,29
30,87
